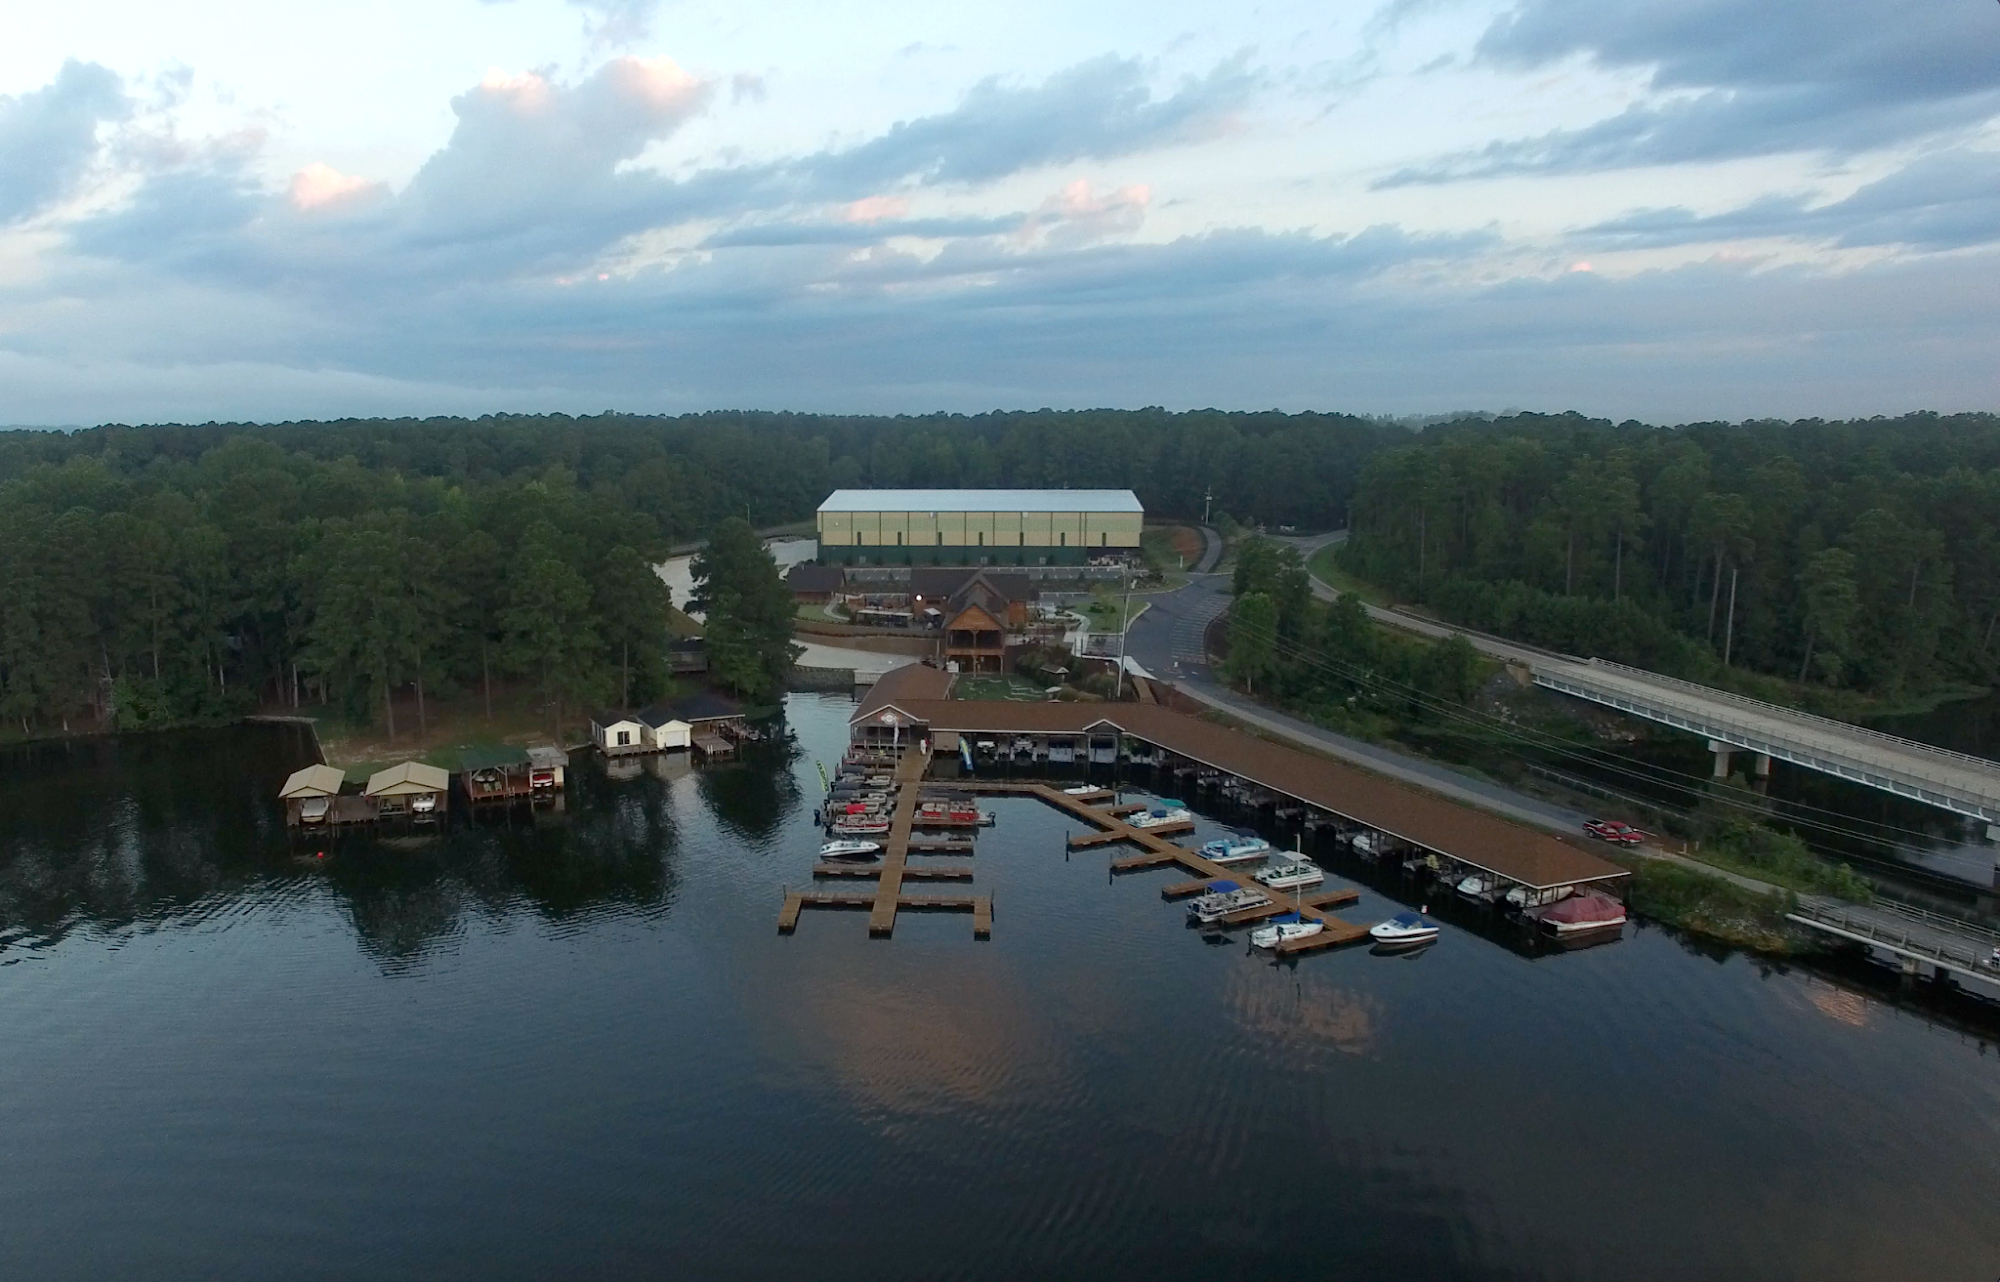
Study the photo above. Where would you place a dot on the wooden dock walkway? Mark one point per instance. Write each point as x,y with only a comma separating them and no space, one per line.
1158,850
911,872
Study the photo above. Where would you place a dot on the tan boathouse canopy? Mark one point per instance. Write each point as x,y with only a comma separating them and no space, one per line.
407,779
313,781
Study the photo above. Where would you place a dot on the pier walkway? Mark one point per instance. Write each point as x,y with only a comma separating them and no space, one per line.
1160,850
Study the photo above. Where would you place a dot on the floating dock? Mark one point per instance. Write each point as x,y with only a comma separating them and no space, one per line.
887,898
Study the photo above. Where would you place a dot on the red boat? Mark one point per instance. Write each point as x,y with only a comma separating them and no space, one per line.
1581,913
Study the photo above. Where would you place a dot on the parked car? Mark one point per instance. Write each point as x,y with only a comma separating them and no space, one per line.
1611,830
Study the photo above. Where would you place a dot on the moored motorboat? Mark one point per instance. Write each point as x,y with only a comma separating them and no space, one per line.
1533,897
849,849
1084,790
1224,898
1482,886
859,826
1292,873
1159,815
1236,850
1280,929
1580,914
1404,928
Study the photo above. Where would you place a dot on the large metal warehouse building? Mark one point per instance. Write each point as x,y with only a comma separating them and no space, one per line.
977,527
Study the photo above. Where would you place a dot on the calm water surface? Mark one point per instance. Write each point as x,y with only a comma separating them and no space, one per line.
579,1048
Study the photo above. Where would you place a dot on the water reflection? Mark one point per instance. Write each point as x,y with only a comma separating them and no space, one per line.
104,834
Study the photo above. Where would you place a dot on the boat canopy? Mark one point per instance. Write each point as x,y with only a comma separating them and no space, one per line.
1408,919
1585,908
1222,887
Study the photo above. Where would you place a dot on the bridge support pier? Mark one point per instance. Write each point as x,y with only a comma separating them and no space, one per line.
1722,753
1763,765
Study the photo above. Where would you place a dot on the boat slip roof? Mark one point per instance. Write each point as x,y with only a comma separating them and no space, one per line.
313,781
405,779
1484,841
982,501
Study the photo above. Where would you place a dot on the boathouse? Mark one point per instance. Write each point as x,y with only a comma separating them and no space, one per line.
617,733
495,775
912,704
317,785
546,767
409,789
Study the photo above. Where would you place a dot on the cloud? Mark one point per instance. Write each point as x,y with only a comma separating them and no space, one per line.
1731,78
528,148
1095,110
617,23
1944,201
48,137
319,185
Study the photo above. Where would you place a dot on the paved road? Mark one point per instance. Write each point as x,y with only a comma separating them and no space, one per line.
1168,641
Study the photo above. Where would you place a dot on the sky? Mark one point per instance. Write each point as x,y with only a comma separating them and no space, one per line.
1671,210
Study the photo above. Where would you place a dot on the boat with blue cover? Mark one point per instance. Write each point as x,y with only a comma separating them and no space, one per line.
1236,850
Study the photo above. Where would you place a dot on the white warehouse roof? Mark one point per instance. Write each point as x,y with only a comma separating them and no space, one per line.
981,501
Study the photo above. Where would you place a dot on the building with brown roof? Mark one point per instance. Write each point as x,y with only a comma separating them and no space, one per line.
913,703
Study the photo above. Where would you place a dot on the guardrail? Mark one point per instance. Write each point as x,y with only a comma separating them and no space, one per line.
1844,728
1970,959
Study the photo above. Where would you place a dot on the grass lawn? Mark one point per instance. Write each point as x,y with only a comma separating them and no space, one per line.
988,688
816,612
1171,547
1328,571
1107,614
519,718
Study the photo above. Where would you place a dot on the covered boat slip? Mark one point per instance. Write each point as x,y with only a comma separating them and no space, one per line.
914,705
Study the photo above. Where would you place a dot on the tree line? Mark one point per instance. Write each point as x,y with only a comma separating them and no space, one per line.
1856,554
140,591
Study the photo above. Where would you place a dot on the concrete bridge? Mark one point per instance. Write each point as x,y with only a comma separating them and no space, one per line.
1952,781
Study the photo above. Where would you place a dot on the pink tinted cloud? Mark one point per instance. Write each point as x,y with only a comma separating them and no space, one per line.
319,185
873,209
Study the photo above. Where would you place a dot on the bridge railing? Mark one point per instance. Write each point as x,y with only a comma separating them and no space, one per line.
1980,764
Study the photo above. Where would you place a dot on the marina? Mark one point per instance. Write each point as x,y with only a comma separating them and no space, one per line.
431,1006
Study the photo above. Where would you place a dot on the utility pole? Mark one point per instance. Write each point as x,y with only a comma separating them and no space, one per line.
1205,497
1729,628
1124,626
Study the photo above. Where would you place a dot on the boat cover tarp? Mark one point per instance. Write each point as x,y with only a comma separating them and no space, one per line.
1580,908
1220,887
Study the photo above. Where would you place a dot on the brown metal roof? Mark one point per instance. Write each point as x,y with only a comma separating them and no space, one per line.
900,685
1486,841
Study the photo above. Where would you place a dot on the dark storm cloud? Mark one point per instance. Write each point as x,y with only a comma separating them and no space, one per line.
1743,78
48,137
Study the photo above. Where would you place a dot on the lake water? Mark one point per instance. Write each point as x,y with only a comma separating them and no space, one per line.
578,1048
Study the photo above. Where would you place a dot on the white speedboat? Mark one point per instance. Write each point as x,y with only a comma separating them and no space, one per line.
1290,926
1084,790
1224,898
1530,897
1367,845
1482,886
1155,818
1404,928
1291,874
849,849
1236,850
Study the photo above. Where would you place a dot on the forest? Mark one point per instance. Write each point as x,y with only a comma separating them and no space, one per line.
1861,555
162,575
155,576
